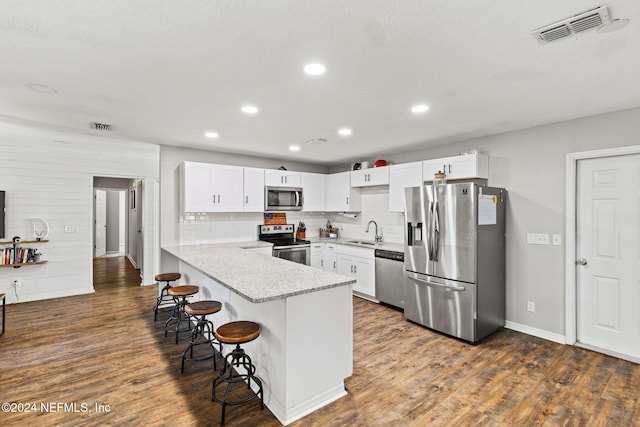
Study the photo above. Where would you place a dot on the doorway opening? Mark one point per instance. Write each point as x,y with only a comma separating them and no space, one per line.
110,222
117,234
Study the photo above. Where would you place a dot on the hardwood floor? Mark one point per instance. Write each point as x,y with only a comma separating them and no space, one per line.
105,349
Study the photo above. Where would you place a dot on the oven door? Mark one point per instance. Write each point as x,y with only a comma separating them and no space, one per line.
296,253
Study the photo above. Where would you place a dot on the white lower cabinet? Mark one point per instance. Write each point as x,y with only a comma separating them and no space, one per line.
317,255
330,259
359,263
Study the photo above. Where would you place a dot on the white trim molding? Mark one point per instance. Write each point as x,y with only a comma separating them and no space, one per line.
570,229
540,333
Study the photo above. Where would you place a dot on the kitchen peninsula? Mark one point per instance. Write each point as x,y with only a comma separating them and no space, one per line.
305,350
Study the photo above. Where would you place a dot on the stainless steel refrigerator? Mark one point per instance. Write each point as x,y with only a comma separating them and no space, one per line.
454,258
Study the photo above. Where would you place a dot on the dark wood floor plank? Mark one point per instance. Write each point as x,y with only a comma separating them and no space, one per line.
104,348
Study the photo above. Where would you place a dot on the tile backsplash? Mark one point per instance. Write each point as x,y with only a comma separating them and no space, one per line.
375,207
196,228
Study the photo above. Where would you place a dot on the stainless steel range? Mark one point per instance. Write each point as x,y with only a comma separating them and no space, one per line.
285,244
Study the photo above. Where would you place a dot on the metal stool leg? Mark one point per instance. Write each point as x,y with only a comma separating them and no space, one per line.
236,358
202,326
178,317
164,294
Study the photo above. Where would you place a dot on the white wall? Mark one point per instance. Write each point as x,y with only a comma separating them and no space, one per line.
375,206
49,174
530,164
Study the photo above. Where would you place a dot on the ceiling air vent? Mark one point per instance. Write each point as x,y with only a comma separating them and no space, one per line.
316,141
593,18
100,126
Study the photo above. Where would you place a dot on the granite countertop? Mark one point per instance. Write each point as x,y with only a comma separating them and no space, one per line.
255,276
349,241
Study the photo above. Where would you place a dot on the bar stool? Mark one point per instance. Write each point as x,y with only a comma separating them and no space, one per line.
237,333
200,310
179,294
164,296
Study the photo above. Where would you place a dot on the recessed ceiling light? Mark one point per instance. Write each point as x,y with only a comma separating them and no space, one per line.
212,135
345,131
250,109
294,148
40,88
419,108
315,69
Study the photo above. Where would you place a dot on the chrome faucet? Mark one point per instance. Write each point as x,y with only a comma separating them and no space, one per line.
378,237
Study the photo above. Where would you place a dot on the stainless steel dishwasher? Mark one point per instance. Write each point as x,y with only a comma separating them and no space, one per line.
389,277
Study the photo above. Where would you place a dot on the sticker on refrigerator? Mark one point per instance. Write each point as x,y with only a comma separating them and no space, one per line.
487,209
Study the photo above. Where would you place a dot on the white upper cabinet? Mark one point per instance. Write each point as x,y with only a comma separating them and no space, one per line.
465,166
369,177
340,196
402,176
279,178
253,190
313,193
196,192
211,188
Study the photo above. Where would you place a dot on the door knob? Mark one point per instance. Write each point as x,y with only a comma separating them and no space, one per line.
581,261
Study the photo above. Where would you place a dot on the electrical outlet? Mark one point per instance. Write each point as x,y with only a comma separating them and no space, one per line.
556,239
531,306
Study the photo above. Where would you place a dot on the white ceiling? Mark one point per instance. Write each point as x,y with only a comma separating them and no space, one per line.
167,71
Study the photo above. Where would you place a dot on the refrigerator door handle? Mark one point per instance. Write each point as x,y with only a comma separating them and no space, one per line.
440,285
436,232
430,232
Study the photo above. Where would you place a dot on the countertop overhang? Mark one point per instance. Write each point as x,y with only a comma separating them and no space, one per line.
255,276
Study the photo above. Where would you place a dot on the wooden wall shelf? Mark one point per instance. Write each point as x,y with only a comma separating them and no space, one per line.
24,263
9,242
15,245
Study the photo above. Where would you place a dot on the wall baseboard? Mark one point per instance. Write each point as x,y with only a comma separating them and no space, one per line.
540,333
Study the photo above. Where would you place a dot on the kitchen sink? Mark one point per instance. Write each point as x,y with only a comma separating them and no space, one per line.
362,242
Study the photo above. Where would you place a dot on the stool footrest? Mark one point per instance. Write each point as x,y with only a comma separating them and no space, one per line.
230,377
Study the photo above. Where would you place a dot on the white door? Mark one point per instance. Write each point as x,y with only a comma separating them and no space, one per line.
608,267
100,222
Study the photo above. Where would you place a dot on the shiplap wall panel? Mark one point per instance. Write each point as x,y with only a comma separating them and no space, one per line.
53,180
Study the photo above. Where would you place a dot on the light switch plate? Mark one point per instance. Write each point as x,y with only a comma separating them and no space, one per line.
556,240
537,239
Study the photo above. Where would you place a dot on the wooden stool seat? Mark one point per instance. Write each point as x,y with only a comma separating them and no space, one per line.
164,297
167,277
238,332
179,294
203,308
202,335
183,291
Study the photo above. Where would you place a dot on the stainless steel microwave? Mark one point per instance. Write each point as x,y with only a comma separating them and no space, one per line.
282,198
